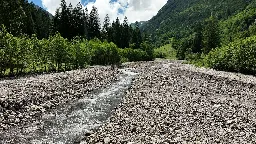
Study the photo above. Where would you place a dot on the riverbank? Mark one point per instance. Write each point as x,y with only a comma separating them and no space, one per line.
172,102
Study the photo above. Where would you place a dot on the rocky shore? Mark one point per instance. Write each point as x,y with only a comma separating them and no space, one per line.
170,102
24,100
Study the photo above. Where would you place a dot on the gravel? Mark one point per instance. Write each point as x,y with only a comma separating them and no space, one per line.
170,102
24,100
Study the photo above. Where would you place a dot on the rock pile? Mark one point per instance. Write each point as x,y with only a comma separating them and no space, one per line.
24,100
170,102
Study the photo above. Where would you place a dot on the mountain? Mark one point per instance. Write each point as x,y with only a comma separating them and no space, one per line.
41,9
140,24
177,18
21,17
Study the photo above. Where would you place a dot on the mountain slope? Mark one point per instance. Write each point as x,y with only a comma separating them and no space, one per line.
22,17
177,18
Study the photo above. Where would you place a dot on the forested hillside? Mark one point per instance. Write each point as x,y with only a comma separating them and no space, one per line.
216,34
22,17
178,17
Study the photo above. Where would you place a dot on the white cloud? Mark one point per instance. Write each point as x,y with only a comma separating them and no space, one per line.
135,10
143,10
52,5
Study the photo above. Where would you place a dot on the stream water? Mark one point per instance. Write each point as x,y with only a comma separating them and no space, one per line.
69,123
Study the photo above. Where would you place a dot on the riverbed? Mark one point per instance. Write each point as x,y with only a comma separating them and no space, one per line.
143,102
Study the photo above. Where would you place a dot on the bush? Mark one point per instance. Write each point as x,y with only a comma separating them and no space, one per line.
166,51
238,56
20,55
104,53
133,54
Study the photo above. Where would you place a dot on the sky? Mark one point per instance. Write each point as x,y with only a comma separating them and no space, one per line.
135,10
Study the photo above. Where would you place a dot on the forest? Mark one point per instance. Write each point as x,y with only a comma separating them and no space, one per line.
215,34
34,41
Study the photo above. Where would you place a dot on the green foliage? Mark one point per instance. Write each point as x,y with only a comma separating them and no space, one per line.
239,56
19,55
133,54
149,49
104,53
177,18
211,38
21,17
166,51
238,26
80,53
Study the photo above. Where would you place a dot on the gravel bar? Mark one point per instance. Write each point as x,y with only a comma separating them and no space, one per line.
24,100
170,102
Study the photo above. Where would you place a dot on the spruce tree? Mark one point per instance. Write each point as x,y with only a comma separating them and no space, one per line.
86,22
126,36
106,29
211,34
117,32
197,42
94,24
64,20
12,16
136,36
70,23
56,22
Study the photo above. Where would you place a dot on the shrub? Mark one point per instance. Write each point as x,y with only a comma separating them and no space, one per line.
104,53
239,56
133,54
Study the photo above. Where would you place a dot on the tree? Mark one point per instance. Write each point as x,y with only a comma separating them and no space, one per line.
64,20
126,35
136,36
30,27
117,32
56,22
211,34
78,20
94,24
86,23
12,16
106,29
197,41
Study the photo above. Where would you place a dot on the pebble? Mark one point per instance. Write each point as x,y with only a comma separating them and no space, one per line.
168,102
32,96
181,103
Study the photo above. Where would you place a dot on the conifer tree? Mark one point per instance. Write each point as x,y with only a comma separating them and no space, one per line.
78,14
211,34
94,24
197,42
136,36
117,33
106,29
12,15
56,22
126,36
64,20
86,22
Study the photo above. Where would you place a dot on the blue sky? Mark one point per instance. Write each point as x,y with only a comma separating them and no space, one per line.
135,10
39,2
